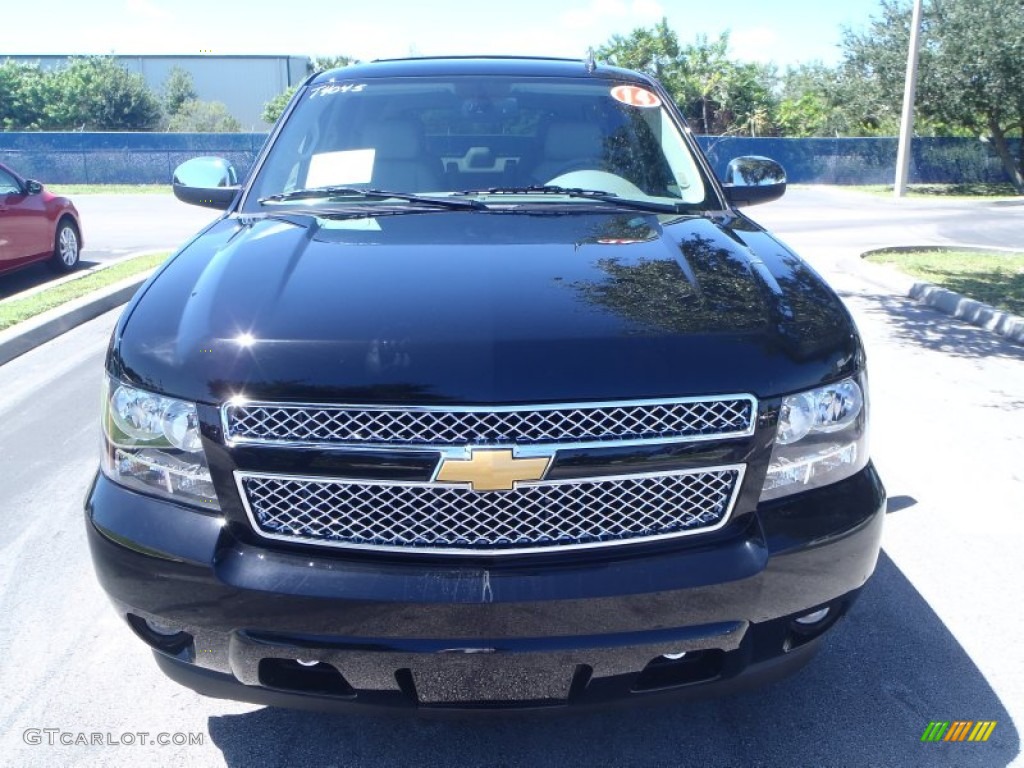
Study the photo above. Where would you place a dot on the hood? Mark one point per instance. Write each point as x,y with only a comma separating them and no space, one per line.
482,307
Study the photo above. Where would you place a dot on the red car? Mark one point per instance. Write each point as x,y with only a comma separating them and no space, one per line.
36,225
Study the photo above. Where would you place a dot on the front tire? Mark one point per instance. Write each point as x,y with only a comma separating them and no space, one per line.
66,247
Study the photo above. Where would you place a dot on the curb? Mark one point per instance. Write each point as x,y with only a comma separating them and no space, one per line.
20,338
78,274
985,316
1000,322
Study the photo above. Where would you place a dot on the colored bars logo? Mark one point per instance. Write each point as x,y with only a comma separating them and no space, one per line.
958,730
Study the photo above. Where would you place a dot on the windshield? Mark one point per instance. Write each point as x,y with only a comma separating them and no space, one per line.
441,136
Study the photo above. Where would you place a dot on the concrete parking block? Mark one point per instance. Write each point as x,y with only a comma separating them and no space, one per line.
1005,324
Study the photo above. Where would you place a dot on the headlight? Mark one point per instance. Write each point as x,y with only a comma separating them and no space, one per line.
152,444
821,439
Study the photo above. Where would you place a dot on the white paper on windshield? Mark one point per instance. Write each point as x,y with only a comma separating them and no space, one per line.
348,166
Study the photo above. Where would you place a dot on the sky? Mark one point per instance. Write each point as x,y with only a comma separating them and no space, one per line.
782,31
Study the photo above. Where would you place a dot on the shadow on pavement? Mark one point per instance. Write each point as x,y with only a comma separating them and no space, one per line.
34,275
867,698
919,324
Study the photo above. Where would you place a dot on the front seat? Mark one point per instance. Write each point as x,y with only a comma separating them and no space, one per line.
399,162
570,146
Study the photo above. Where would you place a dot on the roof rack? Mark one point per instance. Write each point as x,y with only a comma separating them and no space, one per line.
481,56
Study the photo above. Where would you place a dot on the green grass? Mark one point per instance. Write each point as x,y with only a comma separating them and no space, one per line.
992,278
940,190
69,190
18,310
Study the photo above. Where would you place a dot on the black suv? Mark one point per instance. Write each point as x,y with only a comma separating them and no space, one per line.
482,393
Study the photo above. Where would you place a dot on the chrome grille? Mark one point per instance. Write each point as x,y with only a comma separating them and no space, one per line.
637,421
432,517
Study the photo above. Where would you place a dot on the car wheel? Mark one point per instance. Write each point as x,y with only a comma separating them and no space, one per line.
65,247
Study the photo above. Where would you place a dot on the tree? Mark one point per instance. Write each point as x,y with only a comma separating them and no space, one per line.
706,70
654,51
179,87
92,93
324,63
758,121
23,97
748,99
715,93
978,81
97,94
817,100
970,74
203,117
273,108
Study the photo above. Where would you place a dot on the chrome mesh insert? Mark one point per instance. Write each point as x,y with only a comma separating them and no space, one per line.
685,419
453,519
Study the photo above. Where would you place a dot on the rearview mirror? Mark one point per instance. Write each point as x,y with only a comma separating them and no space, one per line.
210,182
751,180
33,187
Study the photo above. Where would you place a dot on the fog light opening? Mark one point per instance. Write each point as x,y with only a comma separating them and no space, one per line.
300,676
161,629
812,625
676,670
165,638
809,619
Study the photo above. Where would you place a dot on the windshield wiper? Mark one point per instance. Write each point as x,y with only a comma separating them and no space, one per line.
588,194
373,194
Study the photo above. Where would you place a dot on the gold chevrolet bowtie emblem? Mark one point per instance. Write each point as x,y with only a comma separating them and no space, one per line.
491,470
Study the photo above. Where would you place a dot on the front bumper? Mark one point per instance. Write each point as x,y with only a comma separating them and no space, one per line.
321,629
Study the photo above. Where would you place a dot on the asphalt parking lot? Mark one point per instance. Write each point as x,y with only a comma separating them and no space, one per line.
117,225
935,635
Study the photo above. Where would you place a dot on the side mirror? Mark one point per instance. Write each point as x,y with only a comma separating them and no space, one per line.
33,187
210,182
751,180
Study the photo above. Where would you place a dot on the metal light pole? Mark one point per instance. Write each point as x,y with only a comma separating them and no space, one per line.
907,118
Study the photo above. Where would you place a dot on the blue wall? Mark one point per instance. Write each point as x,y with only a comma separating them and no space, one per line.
150,158
119,158
864,161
